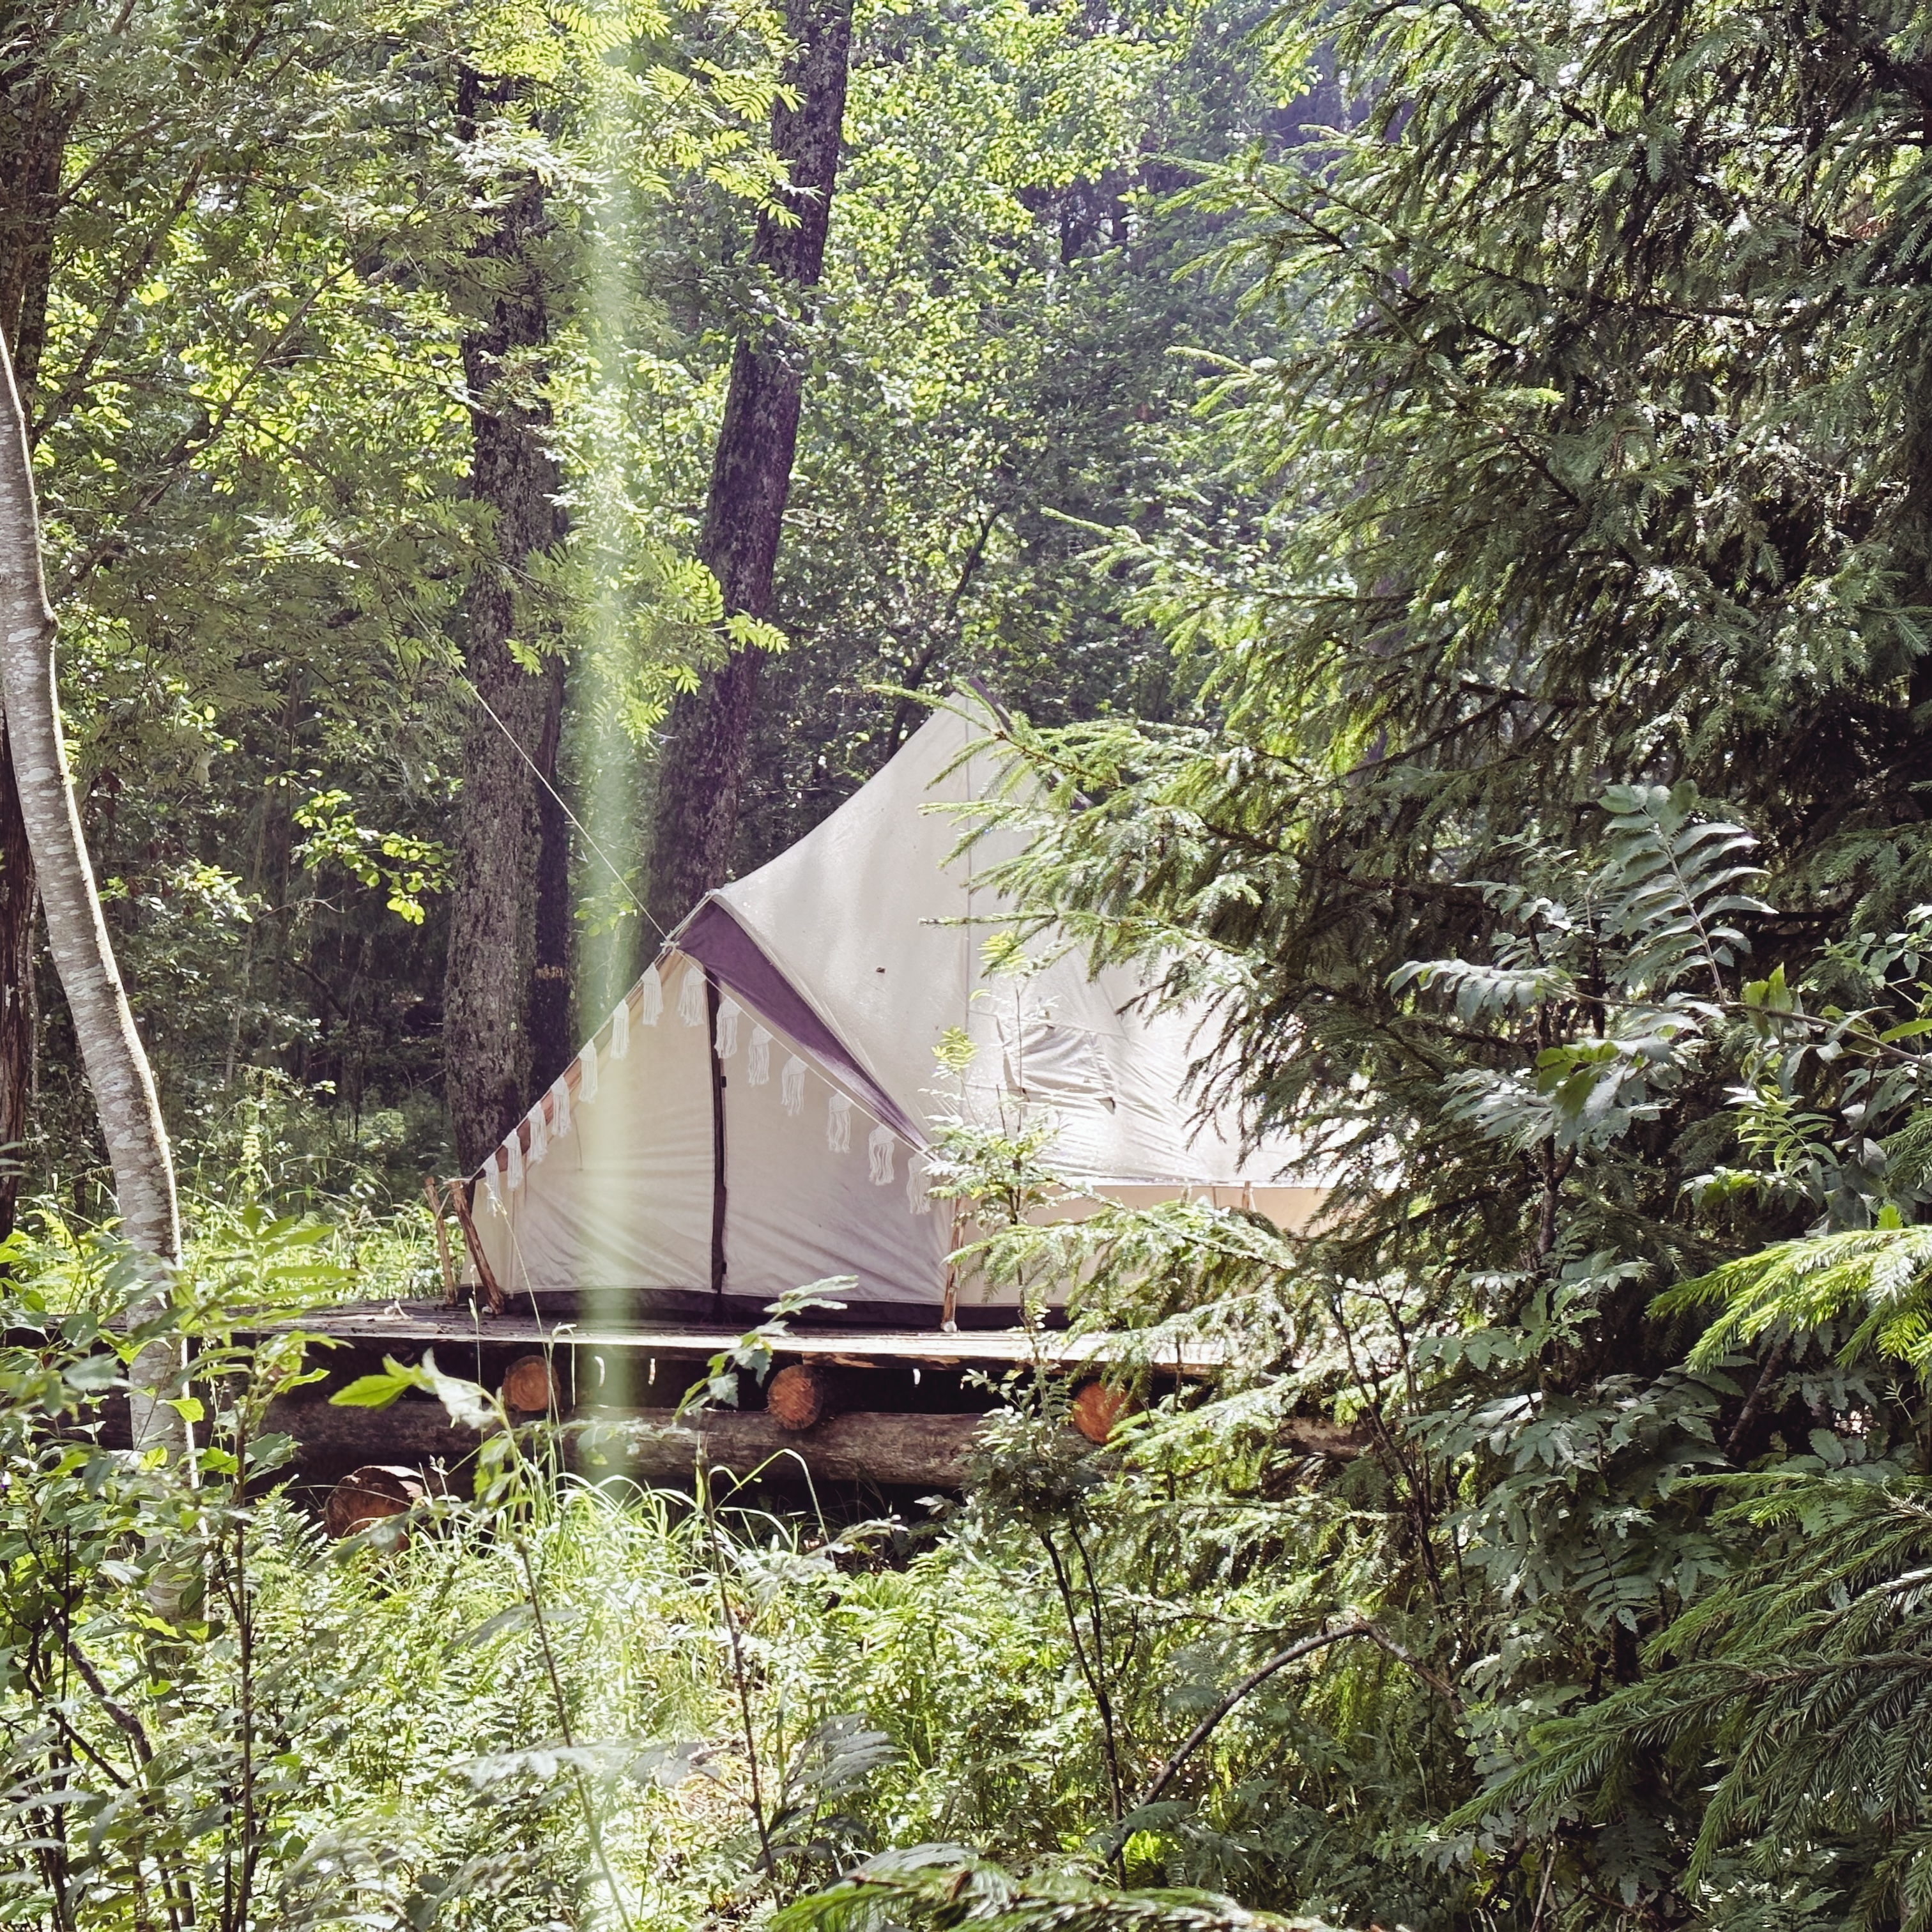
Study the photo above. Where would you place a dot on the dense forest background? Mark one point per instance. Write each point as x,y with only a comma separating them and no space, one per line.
1445,492
257,269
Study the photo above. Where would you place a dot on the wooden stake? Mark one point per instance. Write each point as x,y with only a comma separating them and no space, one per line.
459,1199
442,1254
948,1308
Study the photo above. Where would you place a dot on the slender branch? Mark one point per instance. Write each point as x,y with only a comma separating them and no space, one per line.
1754,1403
1102,1703
590,1824
1357,1626
738,1672
126,1722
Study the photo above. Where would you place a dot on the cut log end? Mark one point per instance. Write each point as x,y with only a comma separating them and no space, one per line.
371,1494
529,1386
797,1397
1097,1410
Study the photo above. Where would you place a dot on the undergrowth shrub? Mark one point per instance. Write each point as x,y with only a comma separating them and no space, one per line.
537,1701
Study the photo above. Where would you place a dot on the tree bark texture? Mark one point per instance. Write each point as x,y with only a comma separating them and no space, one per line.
110,1048
701,768
35,115
487,1003
553,1041
18,896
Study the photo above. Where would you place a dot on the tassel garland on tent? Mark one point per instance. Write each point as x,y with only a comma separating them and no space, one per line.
492,1185
650,997
690,997
919,1201
539,1135
728,1011
560,1108
620,1027
587,1075
791,1087
513,1173
758,1057
879,1151
838,1123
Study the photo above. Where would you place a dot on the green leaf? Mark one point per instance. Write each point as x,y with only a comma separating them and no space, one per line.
376,1391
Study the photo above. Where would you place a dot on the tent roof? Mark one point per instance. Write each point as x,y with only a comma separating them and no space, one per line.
877,930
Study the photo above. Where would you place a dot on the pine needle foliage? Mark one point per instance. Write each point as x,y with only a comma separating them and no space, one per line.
1550,852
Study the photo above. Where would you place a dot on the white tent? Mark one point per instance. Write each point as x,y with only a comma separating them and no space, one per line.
754,1114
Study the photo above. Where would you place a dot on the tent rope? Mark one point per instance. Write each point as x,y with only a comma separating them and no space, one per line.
515,745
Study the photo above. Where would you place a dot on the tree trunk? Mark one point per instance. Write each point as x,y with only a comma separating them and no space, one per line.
18,896
552,1042
487,1002
702,765
110,1048
35,115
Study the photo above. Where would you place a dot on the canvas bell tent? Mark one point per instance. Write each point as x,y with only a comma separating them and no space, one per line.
754,1115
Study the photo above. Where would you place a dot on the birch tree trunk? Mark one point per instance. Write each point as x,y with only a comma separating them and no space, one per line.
37,108
708,733
103,1024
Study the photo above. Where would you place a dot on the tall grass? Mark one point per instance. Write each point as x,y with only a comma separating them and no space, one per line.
542,1700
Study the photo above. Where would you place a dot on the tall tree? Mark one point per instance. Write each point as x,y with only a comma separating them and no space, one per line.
552,1038
708,733
487,1006
1593,449
103,1023
35,114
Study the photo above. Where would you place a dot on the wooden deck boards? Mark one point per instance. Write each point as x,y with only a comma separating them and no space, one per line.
395,1327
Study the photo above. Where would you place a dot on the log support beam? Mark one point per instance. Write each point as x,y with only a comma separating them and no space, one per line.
655,1445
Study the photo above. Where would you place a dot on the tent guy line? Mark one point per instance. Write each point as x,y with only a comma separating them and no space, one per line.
624,884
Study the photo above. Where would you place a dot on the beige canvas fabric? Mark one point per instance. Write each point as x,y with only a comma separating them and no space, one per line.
875,935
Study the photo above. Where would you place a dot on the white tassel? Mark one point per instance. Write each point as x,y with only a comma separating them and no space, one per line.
728,1011
539,1135
879,1151
690,997
919,1201
620,1029
838,1123
587,1080
758,1057
513,1169
559,1108
791,1086
493,1187
650,997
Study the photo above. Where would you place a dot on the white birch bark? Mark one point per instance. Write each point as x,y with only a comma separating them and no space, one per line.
110,1049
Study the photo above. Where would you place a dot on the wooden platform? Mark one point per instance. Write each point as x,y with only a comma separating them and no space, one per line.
396,1327
902,1403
